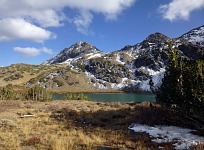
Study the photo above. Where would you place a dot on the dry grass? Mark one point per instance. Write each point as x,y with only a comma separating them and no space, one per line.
198,147
72,125
5,104
77,84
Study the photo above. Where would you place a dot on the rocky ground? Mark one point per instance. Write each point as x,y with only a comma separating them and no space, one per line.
64,125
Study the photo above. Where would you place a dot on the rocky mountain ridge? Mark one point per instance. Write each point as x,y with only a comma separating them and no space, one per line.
131,67
195,36
76,51
83,67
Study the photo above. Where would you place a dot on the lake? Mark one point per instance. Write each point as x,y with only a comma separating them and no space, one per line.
114,97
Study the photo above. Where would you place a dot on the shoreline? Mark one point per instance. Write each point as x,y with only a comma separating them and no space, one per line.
98,92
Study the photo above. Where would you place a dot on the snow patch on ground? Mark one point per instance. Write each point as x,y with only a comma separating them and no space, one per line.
183,138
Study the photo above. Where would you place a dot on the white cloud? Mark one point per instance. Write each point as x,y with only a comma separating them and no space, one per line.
180,9
31,51
28,51
46,50
49,13
106,7
83,21
47,18
12,29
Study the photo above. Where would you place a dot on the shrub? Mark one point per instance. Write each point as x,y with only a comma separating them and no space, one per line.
59,83
42,80
31,81
75,97
14,77
7,93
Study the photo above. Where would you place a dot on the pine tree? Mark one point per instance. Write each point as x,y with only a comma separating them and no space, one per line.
183,84
170,91
193,85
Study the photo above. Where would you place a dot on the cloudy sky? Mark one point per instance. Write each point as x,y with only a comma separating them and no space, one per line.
32,31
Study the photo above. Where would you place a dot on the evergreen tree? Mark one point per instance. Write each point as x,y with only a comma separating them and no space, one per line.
170,91
183,84
193,86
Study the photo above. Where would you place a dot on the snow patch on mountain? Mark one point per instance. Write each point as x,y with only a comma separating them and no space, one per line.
97,83
195,36
118,59
68,61
131,67
94,55
157,77
121,85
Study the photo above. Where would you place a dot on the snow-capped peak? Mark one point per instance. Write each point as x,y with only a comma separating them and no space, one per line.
195,36
131,67
76,51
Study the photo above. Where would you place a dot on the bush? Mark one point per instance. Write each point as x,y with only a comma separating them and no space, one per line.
59,83
14,77
7,93
75,97
43,80
31,81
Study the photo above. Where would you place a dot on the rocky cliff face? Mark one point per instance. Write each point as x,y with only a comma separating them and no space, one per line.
131,67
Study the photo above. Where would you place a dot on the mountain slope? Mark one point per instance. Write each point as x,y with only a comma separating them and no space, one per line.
83,67
131,67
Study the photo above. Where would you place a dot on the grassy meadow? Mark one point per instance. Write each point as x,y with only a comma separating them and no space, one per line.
72,125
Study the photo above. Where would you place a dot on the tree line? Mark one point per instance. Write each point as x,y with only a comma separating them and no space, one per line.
35,93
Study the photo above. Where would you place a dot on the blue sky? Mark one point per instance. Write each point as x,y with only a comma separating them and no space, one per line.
34,32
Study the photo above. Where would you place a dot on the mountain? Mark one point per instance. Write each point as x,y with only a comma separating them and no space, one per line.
195,36
131,67
83,67
80,50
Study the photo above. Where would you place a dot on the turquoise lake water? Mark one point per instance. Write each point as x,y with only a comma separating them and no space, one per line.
114,97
